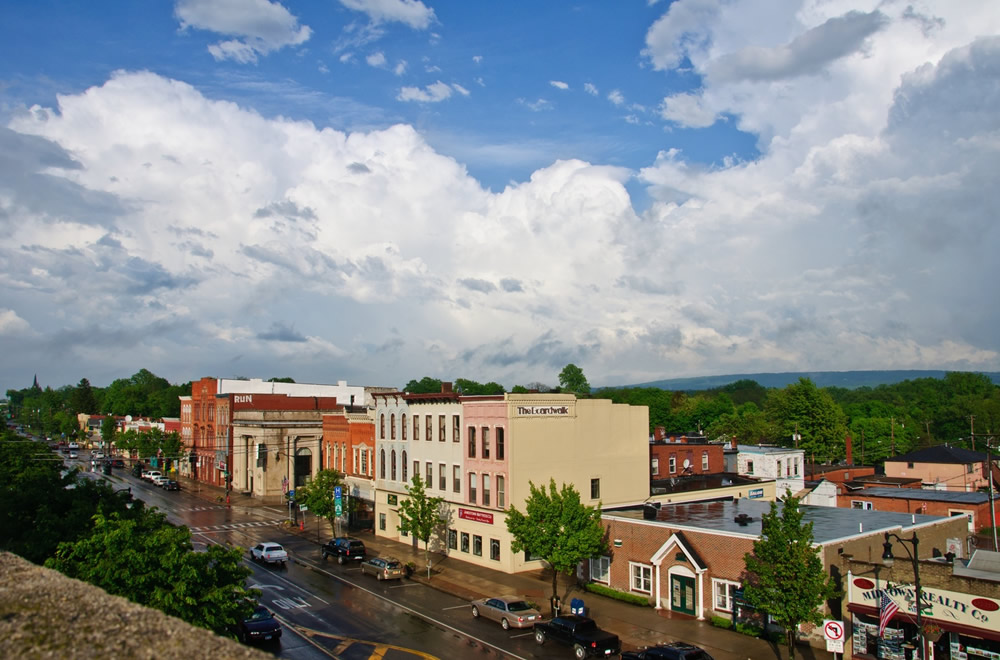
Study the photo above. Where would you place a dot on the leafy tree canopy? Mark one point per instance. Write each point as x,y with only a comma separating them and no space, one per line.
571,379
785,576
319,496
286,379
420,514
812,413
425,385
558,528
472,388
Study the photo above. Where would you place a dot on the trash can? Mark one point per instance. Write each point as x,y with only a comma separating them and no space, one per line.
576,606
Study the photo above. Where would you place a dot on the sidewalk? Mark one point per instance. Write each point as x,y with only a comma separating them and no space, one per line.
636,626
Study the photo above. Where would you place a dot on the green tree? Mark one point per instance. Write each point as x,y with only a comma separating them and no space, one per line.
749,425
558,528
785,577
472,388
319,496
82,400
571,379
420,515
425,385
153,563
812,412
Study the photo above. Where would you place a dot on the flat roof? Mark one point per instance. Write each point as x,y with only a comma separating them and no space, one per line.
829,523
926,495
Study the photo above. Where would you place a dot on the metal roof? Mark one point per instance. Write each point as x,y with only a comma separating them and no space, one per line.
925,494
829,523
940,454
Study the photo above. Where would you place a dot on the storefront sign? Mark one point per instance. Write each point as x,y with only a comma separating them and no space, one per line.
939,604
243,398
756,493
476,516
536,411
391,499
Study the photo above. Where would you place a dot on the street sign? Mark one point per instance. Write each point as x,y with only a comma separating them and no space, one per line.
303,508
339,508
833,630
337,491
835,646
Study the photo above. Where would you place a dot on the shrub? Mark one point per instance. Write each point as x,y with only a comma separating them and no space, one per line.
752,631
623,596
721,622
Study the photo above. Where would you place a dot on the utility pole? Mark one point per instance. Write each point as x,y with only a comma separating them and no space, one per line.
892,436
972,430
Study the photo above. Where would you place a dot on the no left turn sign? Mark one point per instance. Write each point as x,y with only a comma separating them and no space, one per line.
833,630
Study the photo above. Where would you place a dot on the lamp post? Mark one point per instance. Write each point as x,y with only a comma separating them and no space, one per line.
888,559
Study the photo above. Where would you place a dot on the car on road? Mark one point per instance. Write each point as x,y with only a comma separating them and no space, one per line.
581,634
383,568
345,549
149,474
159,480
97,454
118,463
259,627
671,651
73,454
508,611
170,484
269,553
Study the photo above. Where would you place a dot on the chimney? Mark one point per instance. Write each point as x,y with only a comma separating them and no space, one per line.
732,443
850,450
445,388
659,433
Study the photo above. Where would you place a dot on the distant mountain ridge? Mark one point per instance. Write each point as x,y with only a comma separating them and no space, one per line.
846,379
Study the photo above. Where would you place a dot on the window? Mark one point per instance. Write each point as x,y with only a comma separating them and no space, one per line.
969,468
364,461
441,428
501,496
381,521
430,428
779,468
847,476
859,504
392,426
749,467
477,545
381,464
495,549
465,541
472,487
456,479
486,490
416,427
970,516
797,473
499,444
442,477
654,467
402,465
641,578
430,475
402,425
416,468
595,489
472,442
393,466
672,464
381,426
600,570
724,592
452,539
456,428
910,465
486,442
704,461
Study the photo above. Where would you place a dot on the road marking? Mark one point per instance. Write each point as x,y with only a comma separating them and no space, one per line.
454,607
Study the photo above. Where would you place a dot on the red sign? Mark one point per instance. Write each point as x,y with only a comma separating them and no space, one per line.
477,516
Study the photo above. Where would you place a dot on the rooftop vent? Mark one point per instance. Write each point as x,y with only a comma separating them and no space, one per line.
743,519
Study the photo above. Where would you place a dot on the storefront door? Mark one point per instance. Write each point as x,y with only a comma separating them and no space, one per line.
682,594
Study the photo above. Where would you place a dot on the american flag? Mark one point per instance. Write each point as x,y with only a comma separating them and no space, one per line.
887,609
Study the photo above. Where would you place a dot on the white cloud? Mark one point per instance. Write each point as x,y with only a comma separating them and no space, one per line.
409,12
376,60
590,88
616,97
538,105
558,84
262,26
478,59
433,93
687,110
461,90
400,67
12,324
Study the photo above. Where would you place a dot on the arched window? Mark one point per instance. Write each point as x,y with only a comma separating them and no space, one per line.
382,464
393,465
392,426
381,426
404,467
402,425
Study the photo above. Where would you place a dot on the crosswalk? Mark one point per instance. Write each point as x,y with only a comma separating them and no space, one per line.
203,508
240,525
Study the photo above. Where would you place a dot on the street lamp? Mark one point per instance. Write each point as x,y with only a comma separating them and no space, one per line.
888,559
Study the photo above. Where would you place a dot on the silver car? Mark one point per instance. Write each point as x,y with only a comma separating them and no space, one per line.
383,568
510,611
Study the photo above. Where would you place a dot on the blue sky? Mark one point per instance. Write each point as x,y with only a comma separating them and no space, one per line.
378,190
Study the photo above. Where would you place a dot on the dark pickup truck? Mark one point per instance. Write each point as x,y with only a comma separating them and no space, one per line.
581,633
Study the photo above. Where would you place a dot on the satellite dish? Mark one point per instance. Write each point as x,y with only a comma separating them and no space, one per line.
687,463
128,418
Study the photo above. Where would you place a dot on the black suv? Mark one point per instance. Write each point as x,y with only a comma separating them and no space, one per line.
345,549
671,651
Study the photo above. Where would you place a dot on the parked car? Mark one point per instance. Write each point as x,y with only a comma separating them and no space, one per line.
73,454
118,463
260,626
581,633
170,484
159,480
671,651
97,454
383,568
149,474
509,611
345,549
269,553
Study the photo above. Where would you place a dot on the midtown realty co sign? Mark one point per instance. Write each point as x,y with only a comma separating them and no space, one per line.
939,604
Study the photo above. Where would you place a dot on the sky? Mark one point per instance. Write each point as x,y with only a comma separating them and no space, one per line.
381,190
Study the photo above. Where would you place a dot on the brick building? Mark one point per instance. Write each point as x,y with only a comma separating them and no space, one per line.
349,448
942,468
683,456
973,506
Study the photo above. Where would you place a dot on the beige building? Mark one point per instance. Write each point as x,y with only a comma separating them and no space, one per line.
484,452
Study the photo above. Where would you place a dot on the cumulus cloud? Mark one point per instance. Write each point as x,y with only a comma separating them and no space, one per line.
687,110
413,13
616,97
591,89
558,84
433,93
260,26
376,60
